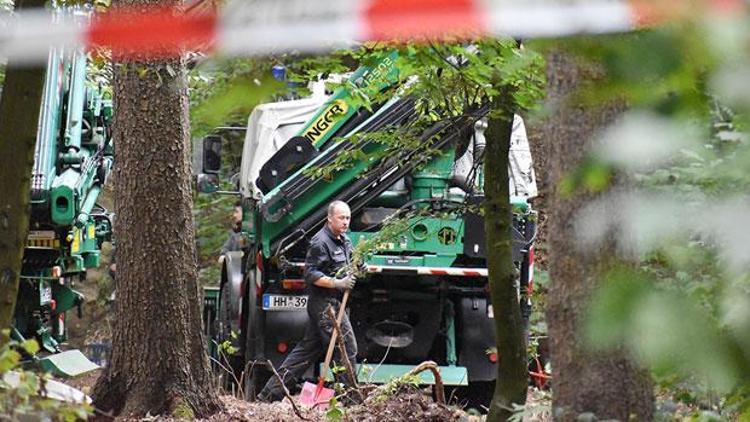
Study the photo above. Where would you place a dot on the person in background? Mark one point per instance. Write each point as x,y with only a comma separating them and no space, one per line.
236,240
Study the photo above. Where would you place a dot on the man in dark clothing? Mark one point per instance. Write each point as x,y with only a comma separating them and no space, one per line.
328,256
236,239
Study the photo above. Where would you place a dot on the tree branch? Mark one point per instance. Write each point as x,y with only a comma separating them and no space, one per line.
286,391
344,357
438,388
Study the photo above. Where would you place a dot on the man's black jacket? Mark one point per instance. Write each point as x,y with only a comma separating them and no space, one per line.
325,257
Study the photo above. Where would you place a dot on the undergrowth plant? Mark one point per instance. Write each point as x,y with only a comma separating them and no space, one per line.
22,391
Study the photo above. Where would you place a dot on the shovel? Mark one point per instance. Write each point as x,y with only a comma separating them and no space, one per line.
315,394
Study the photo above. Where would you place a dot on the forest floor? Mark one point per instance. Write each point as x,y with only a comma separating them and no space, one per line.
406,404
94,328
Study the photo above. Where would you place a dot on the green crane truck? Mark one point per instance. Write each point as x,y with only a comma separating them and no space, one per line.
426,295
73,156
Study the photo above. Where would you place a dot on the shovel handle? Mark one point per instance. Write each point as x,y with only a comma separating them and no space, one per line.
339,318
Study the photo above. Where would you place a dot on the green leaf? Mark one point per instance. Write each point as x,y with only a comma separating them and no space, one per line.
671,332
596,177
335,412
609,318
31,346
9,359
240,96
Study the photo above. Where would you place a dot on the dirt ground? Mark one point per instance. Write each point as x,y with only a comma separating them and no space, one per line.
94,327
410,404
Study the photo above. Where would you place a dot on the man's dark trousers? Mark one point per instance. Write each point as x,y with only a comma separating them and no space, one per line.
311,348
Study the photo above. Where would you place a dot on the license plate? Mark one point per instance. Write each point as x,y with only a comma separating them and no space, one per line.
284,303
45,295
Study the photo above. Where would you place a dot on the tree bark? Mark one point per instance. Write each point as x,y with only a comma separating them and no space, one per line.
19,119
607,385
158,364
512,375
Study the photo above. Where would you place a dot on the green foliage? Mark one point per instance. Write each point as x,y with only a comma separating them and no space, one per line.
395,386
21,390
212,215
224,91
447,80
302,70
451,77
393,227
227,348
183,411
99,71
683,311
591,176
661,69
233,102
335,410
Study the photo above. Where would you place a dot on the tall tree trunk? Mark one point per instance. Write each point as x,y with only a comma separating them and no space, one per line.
512,374
607,385
19,119
158,363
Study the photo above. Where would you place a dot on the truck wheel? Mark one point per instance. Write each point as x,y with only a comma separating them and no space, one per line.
256,374
223,320
223,333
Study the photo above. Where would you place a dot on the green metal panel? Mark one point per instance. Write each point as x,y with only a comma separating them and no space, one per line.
89,242
339,108
380,374
91,259
88,204
211,293
65,297
70,363
76,99
63,199
371,79
45,152
74,264
450,338
519,204
431,235
314,198
413,261
432,180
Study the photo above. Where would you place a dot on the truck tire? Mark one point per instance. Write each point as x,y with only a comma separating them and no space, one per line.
223,324
255,375
224,328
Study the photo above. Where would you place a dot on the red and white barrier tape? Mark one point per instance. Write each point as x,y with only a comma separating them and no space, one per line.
262,27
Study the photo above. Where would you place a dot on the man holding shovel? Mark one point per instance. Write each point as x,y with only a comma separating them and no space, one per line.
329,253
